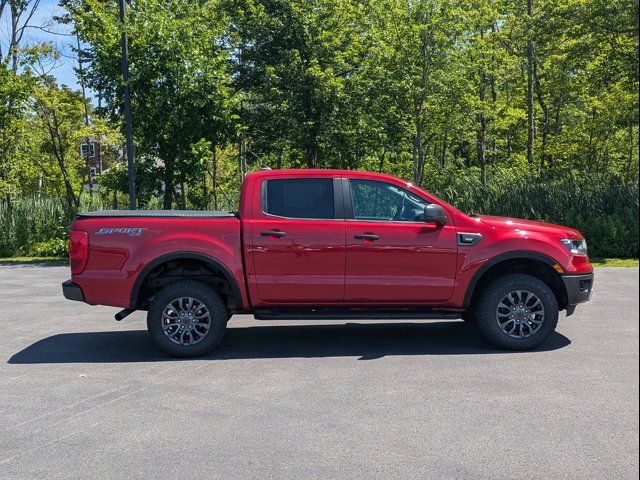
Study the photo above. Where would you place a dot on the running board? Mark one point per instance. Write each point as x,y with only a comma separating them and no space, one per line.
355,314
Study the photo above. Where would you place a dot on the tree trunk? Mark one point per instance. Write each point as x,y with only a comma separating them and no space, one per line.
443,153
312,155
631,149
530,105
87,140
205,196
381,160
183,195
215,178
415,158
481,146
481,130
242,156
9,202
169,166
13,43
590,154
556,129
59,152
494,100
281,157
418,156
546,126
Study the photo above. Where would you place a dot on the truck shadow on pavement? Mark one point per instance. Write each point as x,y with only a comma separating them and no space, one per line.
365,341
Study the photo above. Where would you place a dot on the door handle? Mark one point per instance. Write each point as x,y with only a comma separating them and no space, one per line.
274,233
366,236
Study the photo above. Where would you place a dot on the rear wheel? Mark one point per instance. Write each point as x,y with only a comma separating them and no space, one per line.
517,312
187,319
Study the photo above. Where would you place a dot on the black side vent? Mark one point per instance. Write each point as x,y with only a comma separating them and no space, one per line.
468,239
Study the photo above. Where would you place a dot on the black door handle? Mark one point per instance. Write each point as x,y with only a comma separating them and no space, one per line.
366,236
273,233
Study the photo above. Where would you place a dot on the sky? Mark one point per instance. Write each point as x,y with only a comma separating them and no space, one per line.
57,34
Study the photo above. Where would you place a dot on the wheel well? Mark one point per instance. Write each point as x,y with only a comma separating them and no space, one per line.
528,266
176,269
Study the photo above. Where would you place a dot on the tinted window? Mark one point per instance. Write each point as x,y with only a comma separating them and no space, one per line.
300,198
385,202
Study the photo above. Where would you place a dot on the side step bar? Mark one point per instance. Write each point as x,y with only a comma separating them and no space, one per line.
355,314
123,314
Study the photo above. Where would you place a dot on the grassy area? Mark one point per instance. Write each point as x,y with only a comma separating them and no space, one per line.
47,260
614,262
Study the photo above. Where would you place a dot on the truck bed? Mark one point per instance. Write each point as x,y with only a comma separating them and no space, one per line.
120,242
156,213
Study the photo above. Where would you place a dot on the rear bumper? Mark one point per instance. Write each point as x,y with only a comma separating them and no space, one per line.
579,289
71,291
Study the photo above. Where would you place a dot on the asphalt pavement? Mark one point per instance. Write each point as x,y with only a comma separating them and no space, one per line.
83,396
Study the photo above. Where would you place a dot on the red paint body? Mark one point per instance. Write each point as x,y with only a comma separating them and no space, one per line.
319,262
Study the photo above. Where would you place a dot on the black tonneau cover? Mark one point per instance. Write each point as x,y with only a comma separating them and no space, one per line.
156,213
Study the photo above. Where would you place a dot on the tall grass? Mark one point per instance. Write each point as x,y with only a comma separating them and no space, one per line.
33,222
605,209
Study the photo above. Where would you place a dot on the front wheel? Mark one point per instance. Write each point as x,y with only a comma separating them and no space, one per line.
187,319
517,312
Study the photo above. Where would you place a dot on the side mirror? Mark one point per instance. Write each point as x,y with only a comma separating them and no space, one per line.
434,214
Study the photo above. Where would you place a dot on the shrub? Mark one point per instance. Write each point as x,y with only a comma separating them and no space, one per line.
55,247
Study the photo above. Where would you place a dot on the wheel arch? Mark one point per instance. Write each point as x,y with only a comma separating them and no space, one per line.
531,263
137,291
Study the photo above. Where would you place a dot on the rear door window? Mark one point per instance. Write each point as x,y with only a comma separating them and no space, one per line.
299,198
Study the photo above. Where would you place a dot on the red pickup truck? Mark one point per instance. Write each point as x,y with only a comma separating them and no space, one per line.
328,244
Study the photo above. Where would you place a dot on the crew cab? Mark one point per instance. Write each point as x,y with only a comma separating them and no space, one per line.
328,244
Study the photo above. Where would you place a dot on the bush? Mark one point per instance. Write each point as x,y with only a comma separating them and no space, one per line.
56,247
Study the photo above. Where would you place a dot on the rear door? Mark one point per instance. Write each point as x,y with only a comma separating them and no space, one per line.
393,257
298,241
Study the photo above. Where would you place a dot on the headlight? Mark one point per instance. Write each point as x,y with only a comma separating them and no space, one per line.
577,247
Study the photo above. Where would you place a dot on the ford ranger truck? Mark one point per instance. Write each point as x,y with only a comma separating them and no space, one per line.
328,244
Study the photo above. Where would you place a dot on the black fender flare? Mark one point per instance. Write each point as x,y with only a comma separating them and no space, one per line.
492,262
135,291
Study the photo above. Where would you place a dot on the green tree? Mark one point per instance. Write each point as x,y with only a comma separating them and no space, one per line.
296,63
179,78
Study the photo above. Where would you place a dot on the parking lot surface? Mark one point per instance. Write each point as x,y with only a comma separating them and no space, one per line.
83,396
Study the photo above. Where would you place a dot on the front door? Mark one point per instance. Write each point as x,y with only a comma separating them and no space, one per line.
297,239
393,257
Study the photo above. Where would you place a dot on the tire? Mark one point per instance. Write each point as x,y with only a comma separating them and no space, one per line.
532,324
198,327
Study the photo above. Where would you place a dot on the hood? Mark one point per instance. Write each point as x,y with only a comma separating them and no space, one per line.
529,225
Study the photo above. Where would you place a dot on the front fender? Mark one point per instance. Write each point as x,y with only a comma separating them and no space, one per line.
500,245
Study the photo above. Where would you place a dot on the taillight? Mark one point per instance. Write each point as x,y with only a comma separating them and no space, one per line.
78,250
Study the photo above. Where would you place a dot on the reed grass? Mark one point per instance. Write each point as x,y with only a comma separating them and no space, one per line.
604,208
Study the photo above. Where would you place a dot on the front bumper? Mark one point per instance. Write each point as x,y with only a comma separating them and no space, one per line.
579,290
71,291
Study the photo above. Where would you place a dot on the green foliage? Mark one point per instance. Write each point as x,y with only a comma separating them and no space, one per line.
178,75
38,224
605,209
31,221
55,247
436,91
